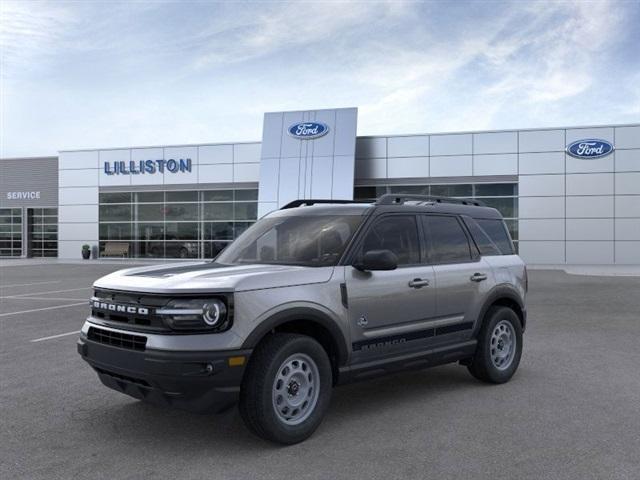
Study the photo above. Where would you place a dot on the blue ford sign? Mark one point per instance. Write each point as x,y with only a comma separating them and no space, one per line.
308,130
136,167
590,148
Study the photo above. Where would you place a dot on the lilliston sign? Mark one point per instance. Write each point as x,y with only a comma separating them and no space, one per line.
137,167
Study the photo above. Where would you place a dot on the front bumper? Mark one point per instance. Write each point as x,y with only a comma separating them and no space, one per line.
194,381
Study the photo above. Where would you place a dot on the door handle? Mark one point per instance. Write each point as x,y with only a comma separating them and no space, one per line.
418,283
478,277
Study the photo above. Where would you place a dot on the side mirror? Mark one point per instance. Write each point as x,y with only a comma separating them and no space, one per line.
377,260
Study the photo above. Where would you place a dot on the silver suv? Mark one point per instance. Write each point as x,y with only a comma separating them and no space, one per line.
313,295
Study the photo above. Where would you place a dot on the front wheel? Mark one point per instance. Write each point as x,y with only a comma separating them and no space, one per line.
286,389
499,346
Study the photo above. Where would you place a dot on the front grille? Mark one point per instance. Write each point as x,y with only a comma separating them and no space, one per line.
149,321
117,339
123,318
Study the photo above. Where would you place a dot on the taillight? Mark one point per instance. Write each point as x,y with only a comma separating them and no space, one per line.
526,279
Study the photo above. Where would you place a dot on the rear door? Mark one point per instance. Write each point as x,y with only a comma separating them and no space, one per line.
462,277
387,308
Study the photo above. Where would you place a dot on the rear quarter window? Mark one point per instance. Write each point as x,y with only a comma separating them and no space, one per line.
497,232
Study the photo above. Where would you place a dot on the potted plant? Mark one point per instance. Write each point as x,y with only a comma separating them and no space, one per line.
86,251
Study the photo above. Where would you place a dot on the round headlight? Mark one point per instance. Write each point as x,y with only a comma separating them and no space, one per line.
195,314
213,312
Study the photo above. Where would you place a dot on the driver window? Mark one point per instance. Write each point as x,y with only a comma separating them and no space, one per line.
397,233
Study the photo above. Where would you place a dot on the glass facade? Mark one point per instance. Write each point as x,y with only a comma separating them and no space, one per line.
175,224
42,229
501,196
10,232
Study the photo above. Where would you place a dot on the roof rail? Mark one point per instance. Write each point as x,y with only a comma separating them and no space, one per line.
308,202
400,199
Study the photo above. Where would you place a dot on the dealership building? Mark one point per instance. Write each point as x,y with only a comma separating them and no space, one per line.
569,195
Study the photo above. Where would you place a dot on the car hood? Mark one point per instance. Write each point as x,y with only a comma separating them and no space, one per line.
204,277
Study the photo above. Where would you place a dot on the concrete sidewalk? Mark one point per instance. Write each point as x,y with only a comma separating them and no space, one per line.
593,270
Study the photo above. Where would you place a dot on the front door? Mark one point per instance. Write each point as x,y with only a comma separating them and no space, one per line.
388,310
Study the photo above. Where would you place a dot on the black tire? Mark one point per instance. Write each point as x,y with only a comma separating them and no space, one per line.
482,366
258,385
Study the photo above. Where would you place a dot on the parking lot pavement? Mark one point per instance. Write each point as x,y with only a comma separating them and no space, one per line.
571,412
32,295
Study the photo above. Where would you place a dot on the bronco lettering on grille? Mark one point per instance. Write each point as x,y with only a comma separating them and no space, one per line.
112,307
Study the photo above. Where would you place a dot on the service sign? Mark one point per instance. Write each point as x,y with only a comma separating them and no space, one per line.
23,195
590,149
308,130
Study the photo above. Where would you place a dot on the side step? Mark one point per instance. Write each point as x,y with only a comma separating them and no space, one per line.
411,361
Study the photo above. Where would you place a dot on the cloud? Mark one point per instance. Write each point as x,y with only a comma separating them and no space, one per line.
532,57
552,57
28,30
270,28
162,72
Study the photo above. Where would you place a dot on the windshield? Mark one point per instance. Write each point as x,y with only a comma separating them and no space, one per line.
312,241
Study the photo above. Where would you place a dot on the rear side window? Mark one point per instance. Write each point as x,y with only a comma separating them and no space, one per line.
482,239
498,233
398,233
446,240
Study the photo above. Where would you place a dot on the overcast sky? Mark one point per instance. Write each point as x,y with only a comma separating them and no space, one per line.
103,74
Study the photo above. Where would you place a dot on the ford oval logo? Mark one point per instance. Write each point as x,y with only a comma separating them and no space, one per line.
590,148
308,130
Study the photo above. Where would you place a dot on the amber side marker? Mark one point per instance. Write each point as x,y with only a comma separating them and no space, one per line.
236,361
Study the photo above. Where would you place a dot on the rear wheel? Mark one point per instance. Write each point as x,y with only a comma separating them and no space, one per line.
286,389
499,346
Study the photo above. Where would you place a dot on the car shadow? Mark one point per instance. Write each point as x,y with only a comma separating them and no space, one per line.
143,422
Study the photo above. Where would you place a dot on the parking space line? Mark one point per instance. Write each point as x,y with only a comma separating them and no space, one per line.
42,309
28,284
55,336
51,291
10,297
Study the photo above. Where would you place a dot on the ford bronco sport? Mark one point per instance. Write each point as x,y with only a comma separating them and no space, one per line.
313,295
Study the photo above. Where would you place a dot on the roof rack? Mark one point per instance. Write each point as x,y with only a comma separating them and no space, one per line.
309,202
400,199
